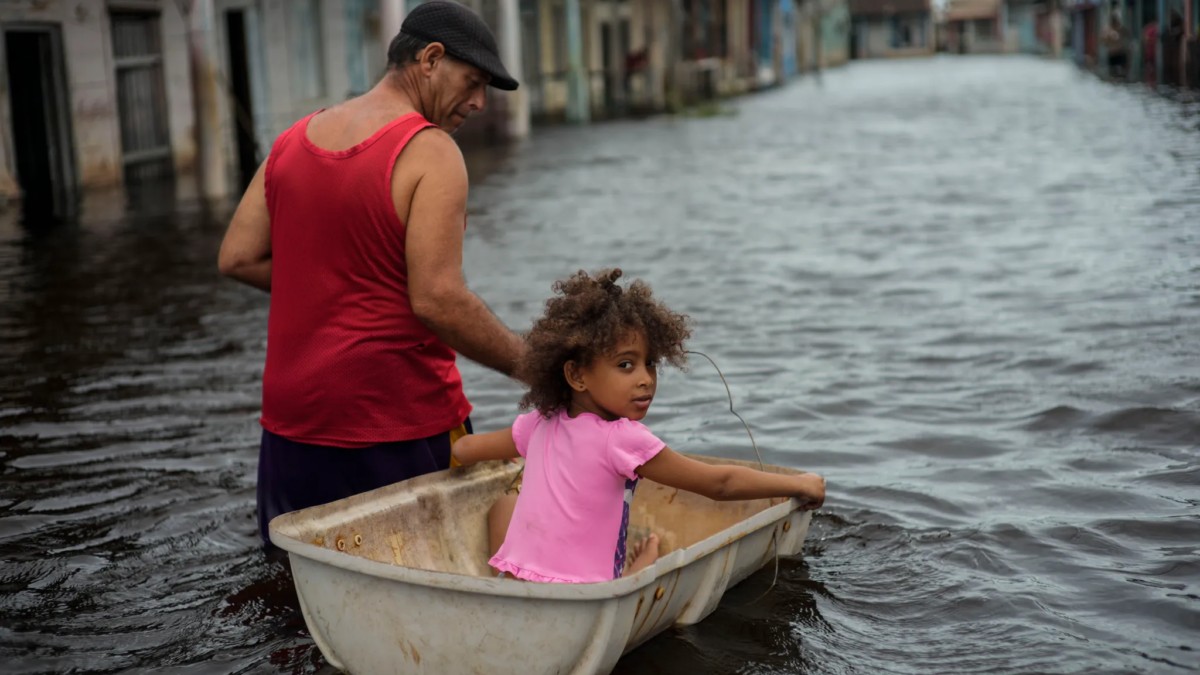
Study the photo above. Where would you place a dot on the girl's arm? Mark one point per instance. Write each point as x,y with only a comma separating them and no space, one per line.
728,483
474,448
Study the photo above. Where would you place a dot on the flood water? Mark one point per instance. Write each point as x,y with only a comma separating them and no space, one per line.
965,291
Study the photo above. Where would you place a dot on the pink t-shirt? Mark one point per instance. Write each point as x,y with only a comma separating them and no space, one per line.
580,474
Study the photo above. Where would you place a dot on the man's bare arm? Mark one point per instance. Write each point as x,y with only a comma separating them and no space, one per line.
433,247
246,251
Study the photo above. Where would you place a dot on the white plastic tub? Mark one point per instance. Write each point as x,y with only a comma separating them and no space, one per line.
396,580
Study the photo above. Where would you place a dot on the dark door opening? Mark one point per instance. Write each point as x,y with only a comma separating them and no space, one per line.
607,63
41,137
624,45
752,18
239,80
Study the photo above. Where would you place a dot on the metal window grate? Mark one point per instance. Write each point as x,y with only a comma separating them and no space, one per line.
141,95
136,35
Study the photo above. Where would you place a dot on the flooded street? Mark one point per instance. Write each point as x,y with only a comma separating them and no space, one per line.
965,291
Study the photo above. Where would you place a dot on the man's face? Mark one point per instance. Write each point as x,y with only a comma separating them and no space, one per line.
457,90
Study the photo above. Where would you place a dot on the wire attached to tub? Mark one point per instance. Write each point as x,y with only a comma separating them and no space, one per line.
729,393
761,465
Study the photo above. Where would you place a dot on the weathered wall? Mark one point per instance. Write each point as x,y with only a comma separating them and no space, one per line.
875,39
177,76
981,41
835,33
91,86
90,82
278,99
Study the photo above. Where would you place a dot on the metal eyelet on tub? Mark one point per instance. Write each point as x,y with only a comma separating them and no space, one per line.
787,526
341,544
358,540
658,594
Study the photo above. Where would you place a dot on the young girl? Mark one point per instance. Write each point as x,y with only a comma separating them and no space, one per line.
591,370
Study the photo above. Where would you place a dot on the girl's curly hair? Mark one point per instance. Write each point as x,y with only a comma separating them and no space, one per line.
588,318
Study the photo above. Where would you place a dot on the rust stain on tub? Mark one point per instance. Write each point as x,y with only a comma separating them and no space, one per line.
667,604
642,625
397,543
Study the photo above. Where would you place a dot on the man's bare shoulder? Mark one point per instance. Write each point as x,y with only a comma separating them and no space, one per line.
430,159
432,150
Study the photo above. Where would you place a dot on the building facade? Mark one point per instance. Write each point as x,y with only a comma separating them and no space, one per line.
642,56
977,27
120,92
93,94
891,29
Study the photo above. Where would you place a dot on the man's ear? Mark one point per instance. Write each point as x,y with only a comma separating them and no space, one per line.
433,53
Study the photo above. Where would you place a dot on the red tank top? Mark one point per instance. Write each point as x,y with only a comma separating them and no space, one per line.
348,362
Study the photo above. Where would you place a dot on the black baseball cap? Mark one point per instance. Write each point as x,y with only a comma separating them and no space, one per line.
464,35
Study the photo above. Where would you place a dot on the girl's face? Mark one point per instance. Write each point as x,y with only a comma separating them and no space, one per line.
618,384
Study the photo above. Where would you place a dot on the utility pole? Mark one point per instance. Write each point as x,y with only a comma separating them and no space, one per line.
579,109
510,56
391,17
674,48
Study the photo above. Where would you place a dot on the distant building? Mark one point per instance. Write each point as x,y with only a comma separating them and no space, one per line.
823,28
110,93
1027,21
891,28
634,61
976,27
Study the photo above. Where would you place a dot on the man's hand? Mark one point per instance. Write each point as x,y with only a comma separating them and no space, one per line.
246,251
433,246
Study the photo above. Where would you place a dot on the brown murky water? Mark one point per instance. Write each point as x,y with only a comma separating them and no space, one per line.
966,291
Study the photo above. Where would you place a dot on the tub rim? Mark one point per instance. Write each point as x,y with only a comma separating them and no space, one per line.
603,590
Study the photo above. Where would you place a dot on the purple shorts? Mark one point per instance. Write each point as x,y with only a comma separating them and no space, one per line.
294,476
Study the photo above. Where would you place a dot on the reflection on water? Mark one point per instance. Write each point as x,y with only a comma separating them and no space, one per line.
964,290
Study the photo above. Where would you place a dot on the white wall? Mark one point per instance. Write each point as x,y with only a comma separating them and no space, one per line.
876,39
178,81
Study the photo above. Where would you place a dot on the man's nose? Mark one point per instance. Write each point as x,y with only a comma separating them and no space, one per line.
479,100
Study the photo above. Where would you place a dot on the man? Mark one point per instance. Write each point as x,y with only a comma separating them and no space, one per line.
1116,41
1150,52
354,224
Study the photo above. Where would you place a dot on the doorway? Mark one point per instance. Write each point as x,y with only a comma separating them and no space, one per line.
41,133
239,83
607,63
